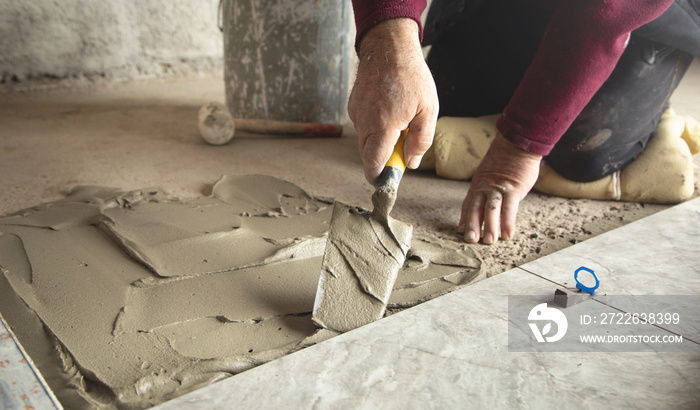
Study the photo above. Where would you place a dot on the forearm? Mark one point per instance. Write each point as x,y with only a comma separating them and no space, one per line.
582,45
369,13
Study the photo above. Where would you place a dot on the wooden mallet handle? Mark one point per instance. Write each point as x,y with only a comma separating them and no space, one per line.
285,127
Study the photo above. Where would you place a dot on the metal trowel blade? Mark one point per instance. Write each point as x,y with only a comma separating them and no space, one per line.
362,259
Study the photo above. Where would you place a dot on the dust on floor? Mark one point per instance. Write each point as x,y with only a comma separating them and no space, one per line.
144,133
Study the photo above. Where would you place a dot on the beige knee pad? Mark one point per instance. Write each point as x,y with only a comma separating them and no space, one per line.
691,134
461,143
550,182
663,172
428,161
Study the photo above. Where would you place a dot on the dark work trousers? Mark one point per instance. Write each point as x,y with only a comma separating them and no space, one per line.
481,50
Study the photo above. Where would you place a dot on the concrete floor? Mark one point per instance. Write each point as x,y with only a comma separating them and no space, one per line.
144,133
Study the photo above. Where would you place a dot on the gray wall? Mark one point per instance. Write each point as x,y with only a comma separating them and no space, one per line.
110,38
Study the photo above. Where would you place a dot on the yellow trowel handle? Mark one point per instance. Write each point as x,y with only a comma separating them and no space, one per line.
395,166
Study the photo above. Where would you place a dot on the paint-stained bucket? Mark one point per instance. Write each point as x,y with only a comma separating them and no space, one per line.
287,60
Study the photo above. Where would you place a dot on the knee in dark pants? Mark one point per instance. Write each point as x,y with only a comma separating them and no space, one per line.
616,125
587,162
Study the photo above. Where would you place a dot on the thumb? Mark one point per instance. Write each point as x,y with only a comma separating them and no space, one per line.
376,150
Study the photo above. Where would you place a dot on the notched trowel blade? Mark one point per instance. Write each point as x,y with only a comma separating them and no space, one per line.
363,255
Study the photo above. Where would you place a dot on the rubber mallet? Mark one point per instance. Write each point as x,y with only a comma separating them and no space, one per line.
217,126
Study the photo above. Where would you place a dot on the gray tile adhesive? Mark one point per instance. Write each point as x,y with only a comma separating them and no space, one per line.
128,299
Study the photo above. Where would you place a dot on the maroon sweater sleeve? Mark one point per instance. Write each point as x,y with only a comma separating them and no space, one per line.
582,44
371,12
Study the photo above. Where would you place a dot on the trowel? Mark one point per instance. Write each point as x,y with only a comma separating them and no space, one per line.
363,255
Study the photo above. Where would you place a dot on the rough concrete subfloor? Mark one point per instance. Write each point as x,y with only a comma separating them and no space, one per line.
144,133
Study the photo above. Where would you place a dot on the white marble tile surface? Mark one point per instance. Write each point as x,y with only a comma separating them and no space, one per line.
452,352
657,255
21,384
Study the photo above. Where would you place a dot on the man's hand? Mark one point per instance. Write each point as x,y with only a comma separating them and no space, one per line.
504,177
394,90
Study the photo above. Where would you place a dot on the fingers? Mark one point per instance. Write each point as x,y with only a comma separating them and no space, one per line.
420,136
377,141
492,217
491,210
502,180
472,216
509,214
376,148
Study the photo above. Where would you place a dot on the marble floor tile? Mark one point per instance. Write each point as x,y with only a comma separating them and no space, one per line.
657,255
21,384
